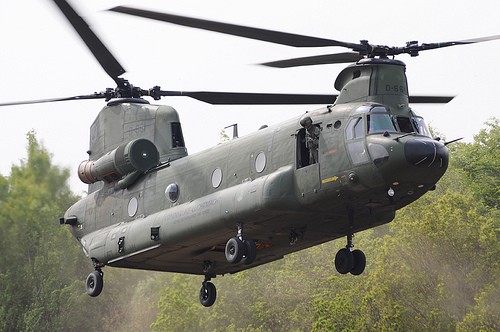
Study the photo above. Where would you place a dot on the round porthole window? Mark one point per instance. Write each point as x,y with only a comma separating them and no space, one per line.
172,192
260,162
216,177
133,205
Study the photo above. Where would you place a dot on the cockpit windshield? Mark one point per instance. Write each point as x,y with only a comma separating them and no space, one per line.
380,121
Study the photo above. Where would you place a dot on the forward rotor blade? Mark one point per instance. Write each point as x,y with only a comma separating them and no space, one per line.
271,36
101,53
413,48
52,100
347,57
430,99
243,98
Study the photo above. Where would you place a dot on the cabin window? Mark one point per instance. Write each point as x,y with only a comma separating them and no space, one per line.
133,205
216,177
177,137
172,192
260,162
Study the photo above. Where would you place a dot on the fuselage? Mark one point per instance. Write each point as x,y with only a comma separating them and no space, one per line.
374,156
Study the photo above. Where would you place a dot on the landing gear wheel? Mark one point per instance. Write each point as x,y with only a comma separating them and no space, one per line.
208,294
235,249
344,261
250,252
94,283
359,262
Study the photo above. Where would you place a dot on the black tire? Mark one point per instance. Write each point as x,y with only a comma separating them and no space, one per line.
344,261
359,262
235,248
208,294
250,252
94,284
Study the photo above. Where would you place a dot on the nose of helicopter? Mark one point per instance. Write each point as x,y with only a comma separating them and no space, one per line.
426,153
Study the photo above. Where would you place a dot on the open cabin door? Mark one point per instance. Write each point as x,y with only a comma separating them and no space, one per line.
307,169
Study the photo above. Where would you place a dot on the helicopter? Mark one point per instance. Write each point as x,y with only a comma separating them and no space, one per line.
330,173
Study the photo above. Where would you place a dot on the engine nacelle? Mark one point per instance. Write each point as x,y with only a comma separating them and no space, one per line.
137,155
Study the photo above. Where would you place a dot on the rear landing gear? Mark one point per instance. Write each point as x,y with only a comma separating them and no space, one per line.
349,260
208,293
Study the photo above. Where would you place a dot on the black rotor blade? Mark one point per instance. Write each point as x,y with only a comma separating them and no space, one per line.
431,46
101,53
430,99
346,57
52,100
243,98
271,36
413,48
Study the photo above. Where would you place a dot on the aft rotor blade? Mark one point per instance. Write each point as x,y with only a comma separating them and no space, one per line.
243,98
459,42
101,53
271,36
346,57
52,100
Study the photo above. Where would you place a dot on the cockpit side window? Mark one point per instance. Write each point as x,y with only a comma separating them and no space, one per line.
404,124
421,126
355,128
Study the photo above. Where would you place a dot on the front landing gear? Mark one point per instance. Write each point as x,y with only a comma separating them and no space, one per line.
95,280
349,260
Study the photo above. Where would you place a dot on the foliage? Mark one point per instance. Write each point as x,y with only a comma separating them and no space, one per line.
42,268
481,163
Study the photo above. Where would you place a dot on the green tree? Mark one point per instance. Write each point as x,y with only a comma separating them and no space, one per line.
34,246
480,163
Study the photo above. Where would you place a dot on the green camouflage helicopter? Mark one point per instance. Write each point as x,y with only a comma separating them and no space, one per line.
330,173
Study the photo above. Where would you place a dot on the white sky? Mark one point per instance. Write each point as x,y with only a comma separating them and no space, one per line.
42,57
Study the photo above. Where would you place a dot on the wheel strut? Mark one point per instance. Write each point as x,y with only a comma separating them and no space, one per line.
95,280
347,259
239,249
208,291
350,244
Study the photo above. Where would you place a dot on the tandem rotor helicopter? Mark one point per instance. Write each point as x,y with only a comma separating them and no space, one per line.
330,173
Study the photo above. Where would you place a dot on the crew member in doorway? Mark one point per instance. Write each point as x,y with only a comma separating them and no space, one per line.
312,138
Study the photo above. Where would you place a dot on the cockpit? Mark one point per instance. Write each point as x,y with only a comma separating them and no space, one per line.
380,120
374,120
